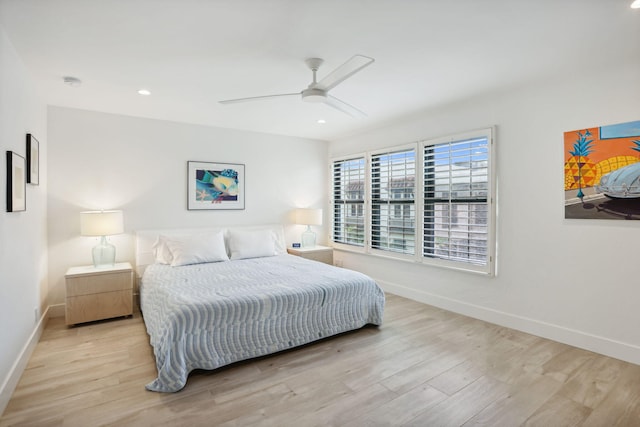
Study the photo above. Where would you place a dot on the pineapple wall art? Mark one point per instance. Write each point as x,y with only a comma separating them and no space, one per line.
602,172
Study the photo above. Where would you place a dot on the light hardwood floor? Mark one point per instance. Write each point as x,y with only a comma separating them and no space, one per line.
423,367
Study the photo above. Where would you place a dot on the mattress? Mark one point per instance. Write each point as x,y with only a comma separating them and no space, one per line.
205,316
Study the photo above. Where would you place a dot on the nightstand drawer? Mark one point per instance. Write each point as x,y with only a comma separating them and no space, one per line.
85,308
98,293
322,256
98,283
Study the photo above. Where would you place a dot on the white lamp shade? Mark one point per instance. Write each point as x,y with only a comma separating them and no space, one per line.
309,216
101,223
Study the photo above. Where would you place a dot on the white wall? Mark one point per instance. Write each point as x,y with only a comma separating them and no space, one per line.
105,161
23,244
574,281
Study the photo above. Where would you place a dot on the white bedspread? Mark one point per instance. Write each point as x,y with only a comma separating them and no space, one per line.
206,316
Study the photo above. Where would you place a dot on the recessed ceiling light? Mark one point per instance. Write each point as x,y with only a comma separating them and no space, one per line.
72,81
322,121
635,4
144,92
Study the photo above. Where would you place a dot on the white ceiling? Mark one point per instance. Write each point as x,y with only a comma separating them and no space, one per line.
192,53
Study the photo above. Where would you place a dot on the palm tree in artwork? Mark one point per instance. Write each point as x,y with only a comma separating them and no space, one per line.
581,149
636,145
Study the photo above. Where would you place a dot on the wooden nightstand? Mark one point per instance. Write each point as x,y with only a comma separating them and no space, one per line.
316,253
98,293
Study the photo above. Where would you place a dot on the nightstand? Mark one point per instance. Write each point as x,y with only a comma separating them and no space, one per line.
98,293
316,253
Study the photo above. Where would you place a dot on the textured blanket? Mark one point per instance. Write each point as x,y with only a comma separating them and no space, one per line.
206,316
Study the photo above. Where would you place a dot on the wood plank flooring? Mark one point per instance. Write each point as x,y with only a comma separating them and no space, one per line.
423,367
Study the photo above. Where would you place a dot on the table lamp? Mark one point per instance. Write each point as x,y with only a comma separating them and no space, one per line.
308,217
103,224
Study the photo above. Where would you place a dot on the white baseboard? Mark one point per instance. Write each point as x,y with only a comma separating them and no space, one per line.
10,383
608,347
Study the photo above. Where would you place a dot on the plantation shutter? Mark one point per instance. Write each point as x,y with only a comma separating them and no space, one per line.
393,209
348,201
457,200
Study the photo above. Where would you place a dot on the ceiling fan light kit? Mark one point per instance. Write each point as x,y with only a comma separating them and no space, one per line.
318,91
314,95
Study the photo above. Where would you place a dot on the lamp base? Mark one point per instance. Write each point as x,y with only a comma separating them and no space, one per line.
104,254
308,238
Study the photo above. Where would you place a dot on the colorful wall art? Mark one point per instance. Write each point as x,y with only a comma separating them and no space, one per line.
602,172
215,186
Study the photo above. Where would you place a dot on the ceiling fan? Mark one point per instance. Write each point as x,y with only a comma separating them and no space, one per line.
318,91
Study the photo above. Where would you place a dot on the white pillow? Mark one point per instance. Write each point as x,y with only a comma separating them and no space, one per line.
161,251
251,244
197,249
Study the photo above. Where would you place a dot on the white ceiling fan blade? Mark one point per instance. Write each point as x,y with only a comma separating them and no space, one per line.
344,107
343,72
257,98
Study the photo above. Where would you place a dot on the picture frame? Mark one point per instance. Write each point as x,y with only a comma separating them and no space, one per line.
33,160
16,183
215,185
602,172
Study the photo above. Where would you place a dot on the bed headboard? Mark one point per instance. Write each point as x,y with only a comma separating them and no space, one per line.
146,238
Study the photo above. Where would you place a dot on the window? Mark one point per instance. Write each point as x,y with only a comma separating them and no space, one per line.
393,176
348,201
456,200
431,202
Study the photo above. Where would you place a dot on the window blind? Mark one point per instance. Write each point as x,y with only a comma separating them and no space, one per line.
393,211
456,200
348,201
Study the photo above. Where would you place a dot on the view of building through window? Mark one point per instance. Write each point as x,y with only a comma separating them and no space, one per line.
393,214
348,201
447,213
456,185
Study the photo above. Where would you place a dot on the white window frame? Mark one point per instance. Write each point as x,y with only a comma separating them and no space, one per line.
346,246
369,196
489,268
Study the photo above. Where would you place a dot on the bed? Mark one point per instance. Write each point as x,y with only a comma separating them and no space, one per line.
212,297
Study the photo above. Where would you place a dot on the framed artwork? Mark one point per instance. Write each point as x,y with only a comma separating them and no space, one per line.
16,183
33,160
602,172
215,186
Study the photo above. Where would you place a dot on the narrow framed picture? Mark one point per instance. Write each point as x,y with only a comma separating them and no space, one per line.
33,160
215,186
16,183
